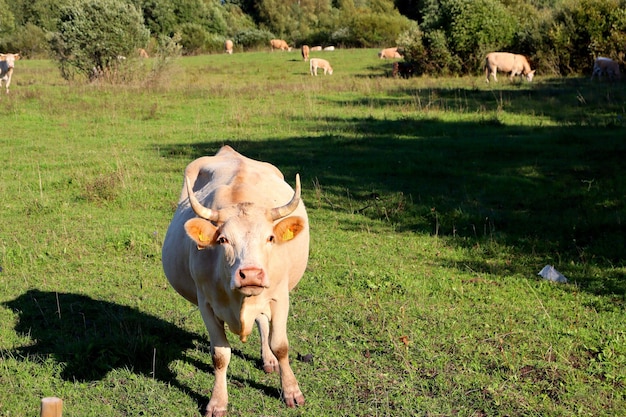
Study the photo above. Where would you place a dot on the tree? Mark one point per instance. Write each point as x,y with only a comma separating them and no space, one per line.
92,34
7,20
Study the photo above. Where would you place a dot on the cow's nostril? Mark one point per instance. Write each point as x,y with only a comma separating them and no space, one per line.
241,274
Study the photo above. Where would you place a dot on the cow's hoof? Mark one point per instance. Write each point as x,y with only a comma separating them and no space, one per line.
270,367
213,412
293,400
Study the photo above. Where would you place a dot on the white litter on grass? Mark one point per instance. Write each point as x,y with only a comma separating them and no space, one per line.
548,272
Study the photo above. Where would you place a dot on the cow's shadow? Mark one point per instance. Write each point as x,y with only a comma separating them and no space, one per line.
92,337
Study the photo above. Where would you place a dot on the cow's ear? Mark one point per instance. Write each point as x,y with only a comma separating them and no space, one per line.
288,228
201,231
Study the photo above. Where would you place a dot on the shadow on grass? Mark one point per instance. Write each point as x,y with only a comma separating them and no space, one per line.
555,195
91,337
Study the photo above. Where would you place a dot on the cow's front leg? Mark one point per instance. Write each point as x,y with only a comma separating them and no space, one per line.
270,363
280,346
220,354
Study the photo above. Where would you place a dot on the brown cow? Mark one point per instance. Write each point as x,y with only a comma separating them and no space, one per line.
605,66
390,53
142,53
228,46
316,48
7,63
305,52
507,62
403,69
238,243
280,44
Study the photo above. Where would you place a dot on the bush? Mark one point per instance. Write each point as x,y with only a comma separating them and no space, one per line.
193,38
478,27
374,29
93,35
29,40
253,38
428,53
440,59
585,29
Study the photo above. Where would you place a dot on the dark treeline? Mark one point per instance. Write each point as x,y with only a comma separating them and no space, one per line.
443,36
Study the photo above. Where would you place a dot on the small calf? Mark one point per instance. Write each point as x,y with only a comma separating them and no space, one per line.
7,63
605,66
315,63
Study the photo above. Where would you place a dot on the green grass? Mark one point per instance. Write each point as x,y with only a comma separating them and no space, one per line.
433,204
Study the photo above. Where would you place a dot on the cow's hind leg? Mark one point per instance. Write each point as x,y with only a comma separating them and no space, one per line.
270,363
280,346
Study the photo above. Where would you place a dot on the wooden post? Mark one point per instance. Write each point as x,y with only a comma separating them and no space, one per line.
51,407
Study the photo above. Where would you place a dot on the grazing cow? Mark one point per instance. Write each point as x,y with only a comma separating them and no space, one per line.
316,63
280,44
607,67
316,48
7,63
305,52
329,48
507,62
142,53
228,46
389,53
238,243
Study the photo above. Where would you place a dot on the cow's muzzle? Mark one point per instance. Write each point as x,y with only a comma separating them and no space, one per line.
250,281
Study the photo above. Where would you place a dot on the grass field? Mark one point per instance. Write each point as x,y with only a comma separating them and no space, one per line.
433,204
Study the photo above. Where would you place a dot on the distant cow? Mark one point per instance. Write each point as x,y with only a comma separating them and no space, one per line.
237,244
7,63
228,46
329,48
316,48
316,63
605,66
507,62
142,53
403,69
305,52
279,44
390,53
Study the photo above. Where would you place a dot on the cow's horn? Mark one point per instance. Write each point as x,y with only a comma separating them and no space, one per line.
199,209
287,209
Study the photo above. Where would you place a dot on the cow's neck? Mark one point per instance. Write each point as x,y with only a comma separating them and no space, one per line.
251,308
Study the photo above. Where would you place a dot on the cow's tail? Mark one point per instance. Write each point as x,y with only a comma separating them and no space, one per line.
486,68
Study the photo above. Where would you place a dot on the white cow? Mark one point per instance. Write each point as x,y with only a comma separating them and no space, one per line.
305,52
280,44
7,63
605,66
228,46
389,53
507,62
315,63
238,243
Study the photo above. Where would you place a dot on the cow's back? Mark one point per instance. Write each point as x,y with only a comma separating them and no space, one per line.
501,60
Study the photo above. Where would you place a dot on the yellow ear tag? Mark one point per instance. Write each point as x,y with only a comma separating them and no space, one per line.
201,237
288,235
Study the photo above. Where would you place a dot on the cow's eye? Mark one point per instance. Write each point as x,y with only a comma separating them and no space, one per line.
271,239
222,240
